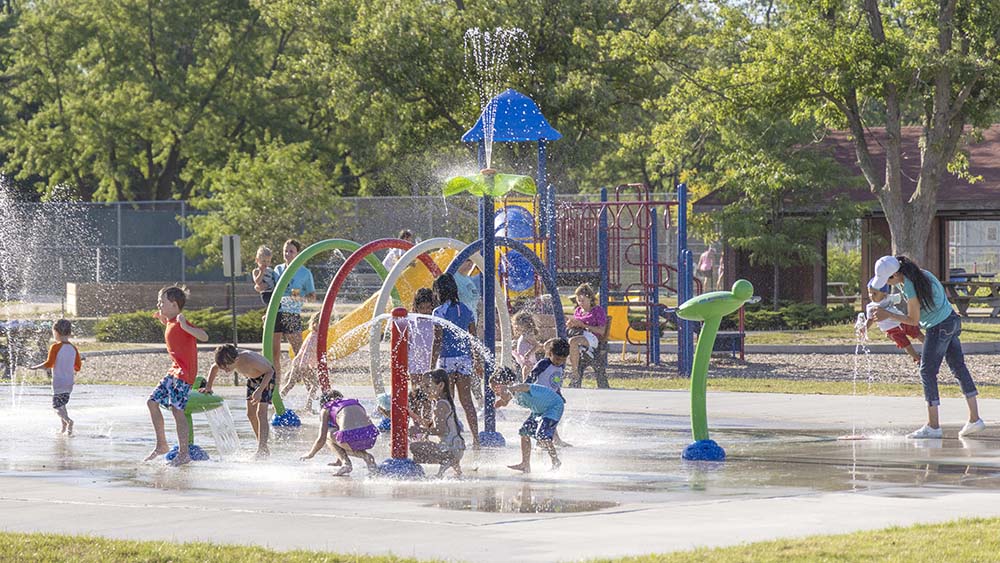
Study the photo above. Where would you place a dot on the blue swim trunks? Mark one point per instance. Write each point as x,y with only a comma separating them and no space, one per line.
544,431
171,392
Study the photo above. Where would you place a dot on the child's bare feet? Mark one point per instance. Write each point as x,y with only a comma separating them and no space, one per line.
336,463
69,428
262,453
522,467
343,471
556,464
179,460
157,452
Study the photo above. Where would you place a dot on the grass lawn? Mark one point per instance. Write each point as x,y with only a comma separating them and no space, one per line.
52,548
844,334
794,386
956,542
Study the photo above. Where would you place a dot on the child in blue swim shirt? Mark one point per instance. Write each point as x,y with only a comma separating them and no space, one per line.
546,408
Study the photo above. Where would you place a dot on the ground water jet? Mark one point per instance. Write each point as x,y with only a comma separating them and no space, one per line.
860,346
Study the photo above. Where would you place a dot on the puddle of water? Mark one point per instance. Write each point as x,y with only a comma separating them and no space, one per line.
617,459
520,505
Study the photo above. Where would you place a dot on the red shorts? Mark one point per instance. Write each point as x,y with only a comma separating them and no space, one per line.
902,334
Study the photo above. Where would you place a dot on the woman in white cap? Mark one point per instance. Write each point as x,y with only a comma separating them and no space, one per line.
928,307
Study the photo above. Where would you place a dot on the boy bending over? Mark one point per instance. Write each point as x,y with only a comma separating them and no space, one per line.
546,408
260,386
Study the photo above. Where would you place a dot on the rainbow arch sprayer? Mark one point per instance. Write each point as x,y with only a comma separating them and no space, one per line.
708,308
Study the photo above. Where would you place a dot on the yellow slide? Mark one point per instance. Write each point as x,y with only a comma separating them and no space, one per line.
619,329
414,277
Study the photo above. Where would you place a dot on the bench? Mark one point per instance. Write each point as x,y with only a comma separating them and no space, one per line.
963,295
836,292
729,341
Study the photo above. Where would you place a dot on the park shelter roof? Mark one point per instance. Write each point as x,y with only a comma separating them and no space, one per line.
957,197
517,120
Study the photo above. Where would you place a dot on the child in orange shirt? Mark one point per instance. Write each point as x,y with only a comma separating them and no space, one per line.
64,361
173,390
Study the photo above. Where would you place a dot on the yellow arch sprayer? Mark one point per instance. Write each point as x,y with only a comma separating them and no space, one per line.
708,308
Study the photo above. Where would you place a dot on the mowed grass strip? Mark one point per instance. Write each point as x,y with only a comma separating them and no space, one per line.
968,540
793,386
960,541
844,335
46,548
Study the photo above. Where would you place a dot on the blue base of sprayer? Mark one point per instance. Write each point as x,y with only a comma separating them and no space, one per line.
704,450
289,419
400,469
491,439
385,424
196,453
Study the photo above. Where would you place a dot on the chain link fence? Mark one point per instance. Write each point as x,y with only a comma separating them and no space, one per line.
46,245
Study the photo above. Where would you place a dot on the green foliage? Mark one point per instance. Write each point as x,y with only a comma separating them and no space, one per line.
844,266
278,192
139,326
142,327
790,316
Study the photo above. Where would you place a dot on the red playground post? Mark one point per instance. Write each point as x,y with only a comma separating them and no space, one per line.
400,382
399,465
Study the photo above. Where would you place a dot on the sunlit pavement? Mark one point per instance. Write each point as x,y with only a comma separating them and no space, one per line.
622,489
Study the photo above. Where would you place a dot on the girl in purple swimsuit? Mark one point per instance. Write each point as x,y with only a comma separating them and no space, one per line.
345,426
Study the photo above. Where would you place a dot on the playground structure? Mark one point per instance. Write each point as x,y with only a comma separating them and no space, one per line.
530,245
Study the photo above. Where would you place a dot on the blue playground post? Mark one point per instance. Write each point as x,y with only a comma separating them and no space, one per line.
488,437
685,267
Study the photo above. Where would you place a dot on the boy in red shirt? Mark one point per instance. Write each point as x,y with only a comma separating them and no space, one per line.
173,390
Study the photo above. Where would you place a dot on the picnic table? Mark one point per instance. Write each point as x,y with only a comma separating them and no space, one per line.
836,292
963,292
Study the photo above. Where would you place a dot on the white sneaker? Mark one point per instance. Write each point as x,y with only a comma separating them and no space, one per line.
925,432
972,428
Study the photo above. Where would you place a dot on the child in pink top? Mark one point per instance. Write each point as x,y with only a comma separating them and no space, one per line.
589,323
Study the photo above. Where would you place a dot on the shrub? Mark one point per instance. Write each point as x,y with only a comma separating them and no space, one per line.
844,267
142,327
139,326
790,316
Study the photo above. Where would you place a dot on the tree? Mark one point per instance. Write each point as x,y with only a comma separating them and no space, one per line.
779,208
856,64
279,192
136,100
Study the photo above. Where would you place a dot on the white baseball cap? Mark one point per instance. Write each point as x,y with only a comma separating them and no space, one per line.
884,267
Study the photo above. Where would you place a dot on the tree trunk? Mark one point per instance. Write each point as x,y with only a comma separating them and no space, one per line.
910,226
776,292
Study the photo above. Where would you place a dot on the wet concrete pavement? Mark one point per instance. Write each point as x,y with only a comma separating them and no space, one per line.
623,488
